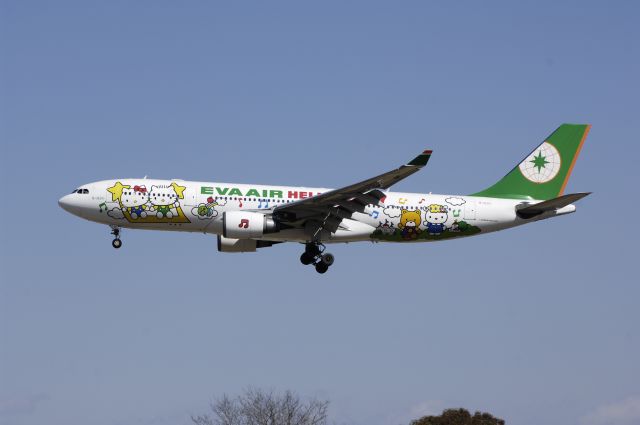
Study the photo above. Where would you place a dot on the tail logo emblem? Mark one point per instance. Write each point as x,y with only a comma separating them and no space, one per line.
542,165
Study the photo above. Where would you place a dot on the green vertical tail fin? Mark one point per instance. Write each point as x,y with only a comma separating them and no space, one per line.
544,173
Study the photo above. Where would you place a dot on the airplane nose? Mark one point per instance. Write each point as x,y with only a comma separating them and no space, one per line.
66,203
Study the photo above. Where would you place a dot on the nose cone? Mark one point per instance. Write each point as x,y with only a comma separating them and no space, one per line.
67,204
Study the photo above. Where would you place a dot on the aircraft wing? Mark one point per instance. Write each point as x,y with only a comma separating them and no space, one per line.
326,211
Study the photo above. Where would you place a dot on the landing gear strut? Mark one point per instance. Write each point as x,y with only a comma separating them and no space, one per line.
116,242
314,254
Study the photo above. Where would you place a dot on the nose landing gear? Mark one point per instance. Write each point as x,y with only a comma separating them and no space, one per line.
314,254
116,242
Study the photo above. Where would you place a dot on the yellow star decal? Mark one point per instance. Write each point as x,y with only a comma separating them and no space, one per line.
116,190
179,189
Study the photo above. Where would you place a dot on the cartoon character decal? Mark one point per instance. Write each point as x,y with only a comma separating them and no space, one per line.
386,228
439,222
134,201
436,216
409,224
164,201
161,204
205,211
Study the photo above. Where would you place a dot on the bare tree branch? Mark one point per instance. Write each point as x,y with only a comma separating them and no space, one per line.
259,407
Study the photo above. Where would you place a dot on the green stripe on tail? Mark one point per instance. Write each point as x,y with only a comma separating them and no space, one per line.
544,173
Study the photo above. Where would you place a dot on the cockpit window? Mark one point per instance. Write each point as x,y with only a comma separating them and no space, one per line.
85,191
81,191
74,190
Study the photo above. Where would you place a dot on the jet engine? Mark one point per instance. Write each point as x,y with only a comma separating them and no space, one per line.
236,245
242,245
247,225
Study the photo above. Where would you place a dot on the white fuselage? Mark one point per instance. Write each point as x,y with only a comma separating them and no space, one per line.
179,205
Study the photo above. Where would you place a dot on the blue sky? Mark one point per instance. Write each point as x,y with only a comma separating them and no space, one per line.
537,324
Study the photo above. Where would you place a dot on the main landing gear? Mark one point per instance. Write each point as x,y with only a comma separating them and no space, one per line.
314,254
116,242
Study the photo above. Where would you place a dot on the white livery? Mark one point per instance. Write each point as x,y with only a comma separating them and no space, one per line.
246,217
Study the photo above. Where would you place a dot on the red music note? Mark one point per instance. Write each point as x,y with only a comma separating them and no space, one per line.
244,223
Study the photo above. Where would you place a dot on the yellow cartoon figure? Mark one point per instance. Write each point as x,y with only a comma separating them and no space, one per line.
409,224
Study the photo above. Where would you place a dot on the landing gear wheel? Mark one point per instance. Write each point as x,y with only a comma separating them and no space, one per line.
116,242
314,254
321,267
327,259
313,249
306,258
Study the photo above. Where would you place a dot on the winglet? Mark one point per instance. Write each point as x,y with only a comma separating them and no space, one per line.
422,159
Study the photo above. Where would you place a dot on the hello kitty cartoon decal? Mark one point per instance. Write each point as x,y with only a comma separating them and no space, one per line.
432,222
436,217
134,201
160,204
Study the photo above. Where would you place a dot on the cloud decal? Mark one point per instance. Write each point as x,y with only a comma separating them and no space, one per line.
455,201
392,212
204,212
115,213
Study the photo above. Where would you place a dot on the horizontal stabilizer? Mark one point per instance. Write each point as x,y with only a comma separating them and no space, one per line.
529,211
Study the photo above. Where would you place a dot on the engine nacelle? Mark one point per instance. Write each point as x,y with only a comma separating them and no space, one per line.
247,225
242,245
236,245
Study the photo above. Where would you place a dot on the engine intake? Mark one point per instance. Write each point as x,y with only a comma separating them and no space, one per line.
247,225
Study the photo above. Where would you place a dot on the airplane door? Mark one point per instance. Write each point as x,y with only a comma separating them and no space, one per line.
470,210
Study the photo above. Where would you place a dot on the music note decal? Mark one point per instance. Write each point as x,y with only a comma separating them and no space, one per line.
264,203
422,200
402,201
374,214
244,223
103,207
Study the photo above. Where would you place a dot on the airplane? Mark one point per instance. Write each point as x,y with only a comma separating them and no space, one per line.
246,217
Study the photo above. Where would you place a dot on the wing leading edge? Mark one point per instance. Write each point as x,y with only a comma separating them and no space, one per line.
327,210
